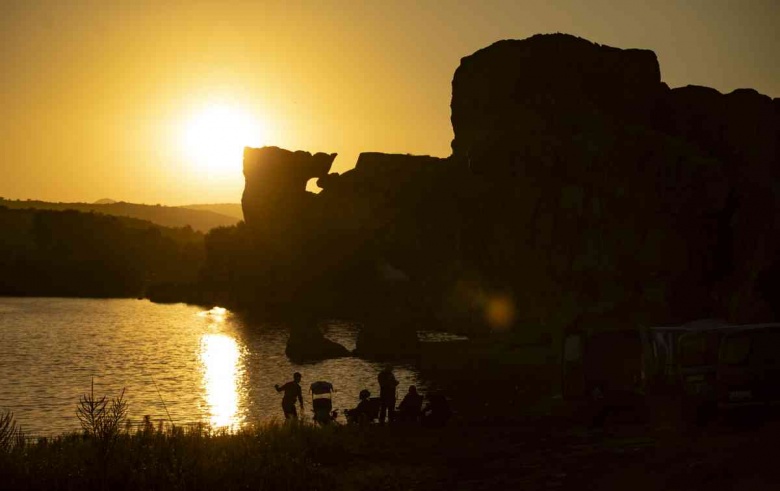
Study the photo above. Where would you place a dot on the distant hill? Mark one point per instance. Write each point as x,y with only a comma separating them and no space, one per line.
104,201
83,254
229,209
201,220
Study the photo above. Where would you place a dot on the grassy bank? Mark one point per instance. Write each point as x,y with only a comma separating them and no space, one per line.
273,456
524,455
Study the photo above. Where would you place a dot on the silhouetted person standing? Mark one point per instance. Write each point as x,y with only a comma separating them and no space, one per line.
387,385
410,408
292,390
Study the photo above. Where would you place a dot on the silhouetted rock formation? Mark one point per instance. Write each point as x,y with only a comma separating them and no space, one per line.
306,343
388,334
398,227
579,184
279,269
516,88
604,190
276,180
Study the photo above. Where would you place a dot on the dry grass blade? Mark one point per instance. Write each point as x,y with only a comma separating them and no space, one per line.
8,431
114,417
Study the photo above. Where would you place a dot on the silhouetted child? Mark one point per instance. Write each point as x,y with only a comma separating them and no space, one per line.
410,408
292,390
366,410
437,412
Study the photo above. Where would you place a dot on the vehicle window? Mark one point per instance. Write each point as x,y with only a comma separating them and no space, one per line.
572,348
693,350
735,349
766,350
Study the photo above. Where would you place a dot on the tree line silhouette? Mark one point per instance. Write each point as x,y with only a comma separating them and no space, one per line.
70,253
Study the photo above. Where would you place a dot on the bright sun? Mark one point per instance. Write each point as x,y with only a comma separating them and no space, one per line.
214,138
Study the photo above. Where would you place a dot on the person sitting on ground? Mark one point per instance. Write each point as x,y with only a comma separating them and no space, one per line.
292,390
410,408
365,410
437,412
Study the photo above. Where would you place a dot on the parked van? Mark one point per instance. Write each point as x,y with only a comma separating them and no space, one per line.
749,366
700,366
718,366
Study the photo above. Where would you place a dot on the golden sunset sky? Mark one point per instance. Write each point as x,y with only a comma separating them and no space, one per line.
150,102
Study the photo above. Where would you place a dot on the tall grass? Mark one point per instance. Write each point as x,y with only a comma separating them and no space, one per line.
276,456
10,433
279,456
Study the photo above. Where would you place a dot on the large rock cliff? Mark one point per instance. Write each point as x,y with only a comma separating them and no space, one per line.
604,190
579,185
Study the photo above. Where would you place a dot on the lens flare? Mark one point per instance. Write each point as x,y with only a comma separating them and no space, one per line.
500,312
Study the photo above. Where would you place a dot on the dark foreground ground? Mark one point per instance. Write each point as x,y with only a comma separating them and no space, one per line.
536,456
523,456
554,451
513,433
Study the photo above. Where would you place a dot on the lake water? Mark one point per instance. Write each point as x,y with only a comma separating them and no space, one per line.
203,366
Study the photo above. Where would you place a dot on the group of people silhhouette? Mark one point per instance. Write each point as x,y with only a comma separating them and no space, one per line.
436,413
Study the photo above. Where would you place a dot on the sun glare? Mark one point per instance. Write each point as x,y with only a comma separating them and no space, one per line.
220,355
214,137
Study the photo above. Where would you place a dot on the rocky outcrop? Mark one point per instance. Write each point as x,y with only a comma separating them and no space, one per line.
276,179
277,268
401,206
395,233
607,191
738,130
517,88
306,344
579,185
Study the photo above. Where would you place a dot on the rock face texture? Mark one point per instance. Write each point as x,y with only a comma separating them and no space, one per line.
393,236
402,206
579,186
604,190
521,86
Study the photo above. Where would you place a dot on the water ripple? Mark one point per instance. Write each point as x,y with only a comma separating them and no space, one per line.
208,366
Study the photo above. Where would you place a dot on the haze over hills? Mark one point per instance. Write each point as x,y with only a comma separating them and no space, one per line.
228,209
199,218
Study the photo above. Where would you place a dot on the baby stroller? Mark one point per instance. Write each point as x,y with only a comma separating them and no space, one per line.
322,402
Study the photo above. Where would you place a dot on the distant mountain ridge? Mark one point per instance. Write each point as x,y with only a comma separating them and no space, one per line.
200,218
228,209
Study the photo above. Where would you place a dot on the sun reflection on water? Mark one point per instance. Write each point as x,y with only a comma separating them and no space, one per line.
216,314
220,355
